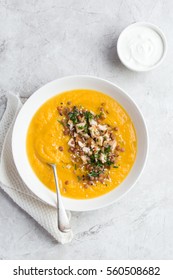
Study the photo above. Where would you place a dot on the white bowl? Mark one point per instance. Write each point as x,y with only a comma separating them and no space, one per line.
32,105
124,35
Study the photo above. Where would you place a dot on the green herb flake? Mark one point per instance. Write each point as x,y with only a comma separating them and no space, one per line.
88,115
109,163
94,173
99,163
97,155
61,122
86,128
115,166
73,116
79,178
98,116
107,149
94,158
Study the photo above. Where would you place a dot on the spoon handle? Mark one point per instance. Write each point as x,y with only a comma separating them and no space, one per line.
63,221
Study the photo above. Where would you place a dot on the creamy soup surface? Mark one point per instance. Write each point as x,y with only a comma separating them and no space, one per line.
89,136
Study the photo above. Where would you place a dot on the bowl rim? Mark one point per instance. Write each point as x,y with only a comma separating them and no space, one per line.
155,28
126,95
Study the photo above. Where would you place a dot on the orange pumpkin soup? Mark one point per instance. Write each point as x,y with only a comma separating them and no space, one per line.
89,136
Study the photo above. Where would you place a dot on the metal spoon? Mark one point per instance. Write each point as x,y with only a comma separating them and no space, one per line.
63,221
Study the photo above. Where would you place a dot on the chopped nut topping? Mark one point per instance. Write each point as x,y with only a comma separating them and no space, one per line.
66,182
92,144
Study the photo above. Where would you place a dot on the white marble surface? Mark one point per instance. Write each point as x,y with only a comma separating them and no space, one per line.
43,40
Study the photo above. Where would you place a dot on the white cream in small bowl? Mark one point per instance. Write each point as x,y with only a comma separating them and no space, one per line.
141,46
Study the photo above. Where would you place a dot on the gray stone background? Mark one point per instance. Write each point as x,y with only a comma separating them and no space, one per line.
43,40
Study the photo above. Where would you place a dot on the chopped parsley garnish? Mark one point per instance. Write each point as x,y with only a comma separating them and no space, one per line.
94,173
99,163
107,149
109,163
88,115
73,116
99,115
96,155
94,158
86,128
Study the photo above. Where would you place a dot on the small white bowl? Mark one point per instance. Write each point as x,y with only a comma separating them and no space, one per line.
124,37
33,104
